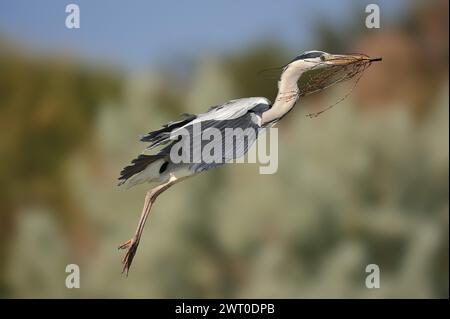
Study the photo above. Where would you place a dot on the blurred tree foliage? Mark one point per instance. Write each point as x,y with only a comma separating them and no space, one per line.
47,112
353,188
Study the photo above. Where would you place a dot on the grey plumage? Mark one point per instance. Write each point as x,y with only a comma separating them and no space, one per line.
244,114
232,128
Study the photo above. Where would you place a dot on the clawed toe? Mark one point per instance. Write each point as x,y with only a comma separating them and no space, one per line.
126,244
131,245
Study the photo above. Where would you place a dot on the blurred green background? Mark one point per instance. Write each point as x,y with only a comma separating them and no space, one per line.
366,182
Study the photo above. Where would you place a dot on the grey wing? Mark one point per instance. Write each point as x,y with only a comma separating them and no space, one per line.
235,138
162,136
234,109
229,110
222,134
242,113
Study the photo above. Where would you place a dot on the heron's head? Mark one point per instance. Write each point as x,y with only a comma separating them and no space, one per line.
318,60
320,69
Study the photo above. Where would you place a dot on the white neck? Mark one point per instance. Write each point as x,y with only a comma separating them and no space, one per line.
287,95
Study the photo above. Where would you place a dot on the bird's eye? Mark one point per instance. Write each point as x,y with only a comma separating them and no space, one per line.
322,58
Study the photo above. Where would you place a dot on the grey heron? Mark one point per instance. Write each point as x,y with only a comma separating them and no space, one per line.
316,70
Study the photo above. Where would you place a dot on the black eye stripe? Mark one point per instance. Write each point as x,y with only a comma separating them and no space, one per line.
309,55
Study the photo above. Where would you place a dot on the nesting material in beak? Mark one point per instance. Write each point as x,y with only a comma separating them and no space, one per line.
335,69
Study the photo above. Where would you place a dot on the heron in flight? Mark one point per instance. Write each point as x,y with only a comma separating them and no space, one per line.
308,73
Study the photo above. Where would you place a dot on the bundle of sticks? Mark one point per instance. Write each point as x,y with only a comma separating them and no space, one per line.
319,79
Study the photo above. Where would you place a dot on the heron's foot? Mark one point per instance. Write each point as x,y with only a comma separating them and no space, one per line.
131,246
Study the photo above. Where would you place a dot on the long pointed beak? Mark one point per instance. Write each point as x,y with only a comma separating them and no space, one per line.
343,59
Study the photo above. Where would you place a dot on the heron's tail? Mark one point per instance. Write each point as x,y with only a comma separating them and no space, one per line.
142,169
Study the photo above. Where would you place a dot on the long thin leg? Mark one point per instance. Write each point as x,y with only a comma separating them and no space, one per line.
133,243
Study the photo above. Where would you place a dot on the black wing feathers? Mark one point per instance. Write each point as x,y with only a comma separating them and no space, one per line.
156,136
138,165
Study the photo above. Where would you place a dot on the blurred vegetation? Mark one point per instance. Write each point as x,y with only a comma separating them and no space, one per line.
366,182
48,110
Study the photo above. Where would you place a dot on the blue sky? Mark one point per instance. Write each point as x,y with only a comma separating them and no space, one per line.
137,33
